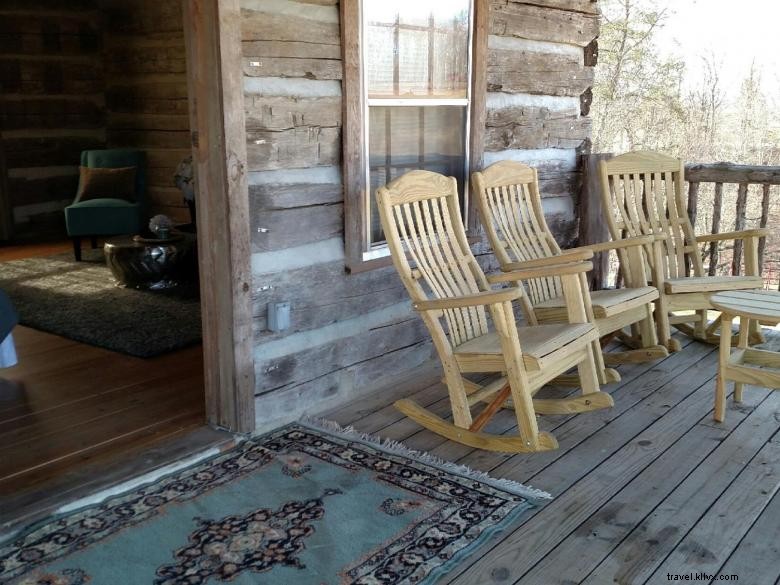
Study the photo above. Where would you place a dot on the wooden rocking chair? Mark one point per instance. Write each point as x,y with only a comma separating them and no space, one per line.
511,208
420,216
644,191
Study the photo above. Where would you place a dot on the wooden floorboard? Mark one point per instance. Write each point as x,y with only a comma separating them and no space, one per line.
645,494
718,532
80,405
87,418
640,489
759,550
30,250
98,470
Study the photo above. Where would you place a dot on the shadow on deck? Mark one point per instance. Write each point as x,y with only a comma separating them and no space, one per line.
650,488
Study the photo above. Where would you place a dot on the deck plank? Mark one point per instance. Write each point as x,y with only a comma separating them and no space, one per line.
639,554
621,478
589,475
705,444
758,553
718,532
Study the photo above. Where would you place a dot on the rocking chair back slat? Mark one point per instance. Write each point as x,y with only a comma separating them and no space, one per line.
644,192
423,210
508,197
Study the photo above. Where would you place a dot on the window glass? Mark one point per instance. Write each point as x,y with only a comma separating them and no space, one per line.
417,48
407,138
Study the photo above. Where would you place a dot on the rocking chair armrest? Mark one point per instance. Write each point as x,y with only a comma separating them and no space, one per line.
489,297
541,272
565,257
617,244
739,235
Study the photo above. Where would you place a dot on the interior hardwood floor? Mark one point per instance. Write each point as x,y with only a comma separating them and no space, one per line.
87,418
650,487
82,404
30,250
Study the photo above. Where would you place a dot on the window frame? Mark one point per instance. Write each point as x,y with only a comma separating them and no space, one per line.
355,148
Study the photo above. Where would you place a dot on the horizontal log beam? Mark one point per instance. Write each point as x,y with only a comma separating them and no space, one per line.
328,297
519,71
724,172
584,6
286,113
277,229
534,128
543,23
301,147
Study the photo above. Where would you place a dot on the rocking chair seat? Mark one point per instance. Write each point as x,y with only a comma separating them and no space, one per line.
606,303
694,284
540,343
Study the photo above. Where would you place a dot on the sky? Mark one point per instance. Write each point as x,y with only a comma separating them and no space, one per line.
736,31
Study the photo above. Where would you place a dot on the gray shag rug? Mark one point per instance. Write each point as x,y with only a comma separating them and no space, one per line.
79,300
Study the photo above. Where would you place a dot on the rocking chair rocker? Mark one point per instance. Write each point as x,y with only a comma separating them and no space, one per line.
511,208
644,190
420,215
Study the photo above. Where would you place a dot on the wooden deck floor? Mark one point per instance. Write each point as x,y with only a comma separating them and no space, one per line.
650,488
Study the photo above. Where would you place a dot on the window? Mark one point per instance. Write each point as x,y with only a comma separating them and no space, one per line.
408,97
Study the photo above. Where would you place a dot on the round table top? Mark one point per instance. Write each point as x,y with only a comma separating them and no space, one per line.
754,304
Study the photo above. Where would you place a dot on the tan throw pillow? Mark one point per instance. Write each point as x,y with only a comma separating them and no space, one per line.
97,183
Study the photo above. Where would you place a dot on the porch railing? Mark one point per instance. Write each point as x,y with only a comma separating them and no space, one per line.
711,187
743,176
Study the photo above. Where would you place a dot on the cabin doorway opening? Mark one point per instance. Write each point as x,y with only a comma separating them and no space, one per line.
88,406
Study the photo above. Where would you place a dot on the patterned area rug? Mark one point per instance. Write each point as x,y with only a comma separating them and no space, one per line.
301,505
78,300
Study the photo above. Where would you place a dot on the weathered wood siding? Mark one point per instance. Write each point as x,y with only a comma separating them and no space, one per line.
540,70
350,333
146,91
51,105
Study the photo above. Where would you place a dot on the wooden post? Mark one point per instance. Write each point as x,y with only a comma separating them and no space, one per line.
593,223
739,224
693,205
763,224
215,79
479,67
717,203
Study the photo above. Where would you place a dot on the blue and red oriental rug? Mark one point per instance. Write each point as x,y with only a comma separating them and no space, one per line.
302,505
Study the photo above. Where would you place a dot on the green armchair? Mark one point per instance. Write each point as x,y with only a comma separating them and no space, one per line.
108,216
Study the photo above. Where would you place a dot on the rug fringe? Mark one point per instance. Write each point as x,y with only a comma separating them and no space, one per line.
398,448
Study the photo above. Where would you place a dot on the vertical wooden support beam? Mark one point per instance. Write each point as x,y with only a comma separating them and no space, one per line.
215,79
693,206
717,204
763,223
739,224
479,52
593,222
354,163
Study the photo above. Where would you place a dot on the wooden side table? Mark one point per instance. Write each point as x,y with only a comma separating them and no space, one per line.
746,365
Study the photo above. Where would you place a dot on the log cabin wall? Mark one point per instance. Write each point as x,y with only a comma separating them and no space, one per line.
89,74
541,58
146,91
351,333
51,105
